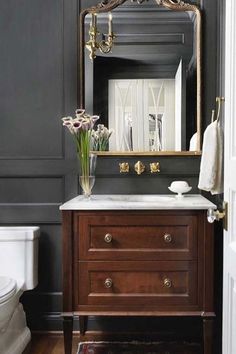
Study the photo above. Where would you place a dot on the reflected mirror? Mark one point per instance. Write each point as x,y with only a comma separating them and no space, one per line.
147,89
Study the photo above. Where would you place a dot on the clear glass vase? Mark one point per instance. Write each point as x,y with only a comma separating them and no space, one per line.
87,175
87,183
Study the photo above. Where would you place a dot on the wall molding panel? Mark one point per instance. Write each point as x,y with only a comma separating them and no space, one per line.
37,155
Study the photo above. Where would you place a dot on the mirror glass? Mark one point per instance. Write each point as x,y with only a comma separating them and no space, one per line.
145,89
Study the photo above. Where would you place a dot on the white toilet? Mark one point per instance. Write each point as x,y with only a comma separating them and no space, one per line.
18,272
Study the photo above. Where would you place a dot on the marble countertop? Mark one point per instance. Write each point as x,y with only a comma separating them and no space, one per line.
139,202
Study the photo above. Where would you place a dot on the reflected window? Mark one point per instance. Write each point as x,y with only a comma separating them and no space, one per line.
143,115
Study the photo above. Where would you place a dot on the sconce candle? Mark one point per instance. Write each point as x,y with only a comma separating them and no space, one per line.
110,24
94,20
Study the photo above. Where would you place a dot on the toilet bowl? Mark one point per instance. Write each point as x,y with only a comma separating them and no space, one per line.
18,272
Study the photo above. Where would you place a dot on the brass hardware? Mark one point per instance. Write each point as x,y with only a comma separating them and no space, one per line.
167,283
167,238
217,215
219,100
154,167
212,116
108,238
225,219
139,167
124,167
108,283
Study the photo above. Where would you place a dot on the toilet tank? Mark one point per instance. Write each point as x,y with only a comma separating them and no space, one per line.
19,254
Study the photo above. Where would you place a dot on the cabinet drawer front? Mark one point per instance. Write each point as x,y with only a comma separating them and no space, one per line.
137,237
140,283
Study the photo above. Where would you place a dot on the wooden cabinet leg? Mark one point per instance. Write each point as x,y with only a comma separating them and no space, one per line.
83,320
208,328
68,333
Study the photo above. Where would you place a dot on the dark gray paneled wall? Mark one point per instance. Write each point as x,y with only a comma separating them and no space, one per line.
38,64
211,18
39,72
32,77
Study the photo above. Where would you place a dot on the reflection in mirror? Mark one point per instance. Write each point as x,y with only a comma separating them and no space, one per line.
145,114
146,88
142,114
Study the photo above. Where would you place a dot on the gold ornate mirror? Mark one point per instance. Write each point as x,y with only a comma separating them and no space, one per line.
141,65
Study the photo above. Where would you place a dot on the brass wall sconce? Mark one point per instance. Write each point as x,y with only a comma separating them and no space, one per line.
107,41
154,167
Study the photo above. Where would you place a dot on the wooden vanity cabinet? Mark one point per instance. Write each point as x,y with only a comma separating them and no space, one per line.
145,263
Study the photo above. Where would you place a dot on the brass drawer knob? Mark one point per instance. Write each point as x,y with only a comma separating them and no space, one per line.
108,238
167,238
167,283
108,283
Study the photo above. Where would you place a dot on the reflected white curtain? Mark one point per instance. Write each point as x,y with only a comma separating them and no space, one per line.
157,139
121,113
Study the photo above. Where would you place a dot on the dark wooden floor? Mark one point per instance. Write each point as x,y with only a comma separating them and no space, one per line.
49,344
53,344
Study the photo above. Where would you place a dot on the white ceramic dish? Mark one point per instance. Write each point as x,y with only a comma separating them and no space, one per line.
179,187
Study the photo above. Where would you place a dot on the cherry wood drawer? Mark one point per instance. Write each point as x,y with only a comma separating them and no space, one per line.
136,237
135,284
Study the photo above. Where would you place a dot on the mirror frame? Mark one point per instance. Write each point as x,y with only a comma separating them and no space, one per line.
175,5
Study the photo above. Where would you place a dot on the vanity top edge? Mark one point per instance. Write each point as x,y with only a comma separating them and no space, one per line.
139,202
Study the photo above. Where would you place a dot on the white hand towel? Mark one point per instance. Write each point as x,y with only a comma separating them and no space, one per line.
210,177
